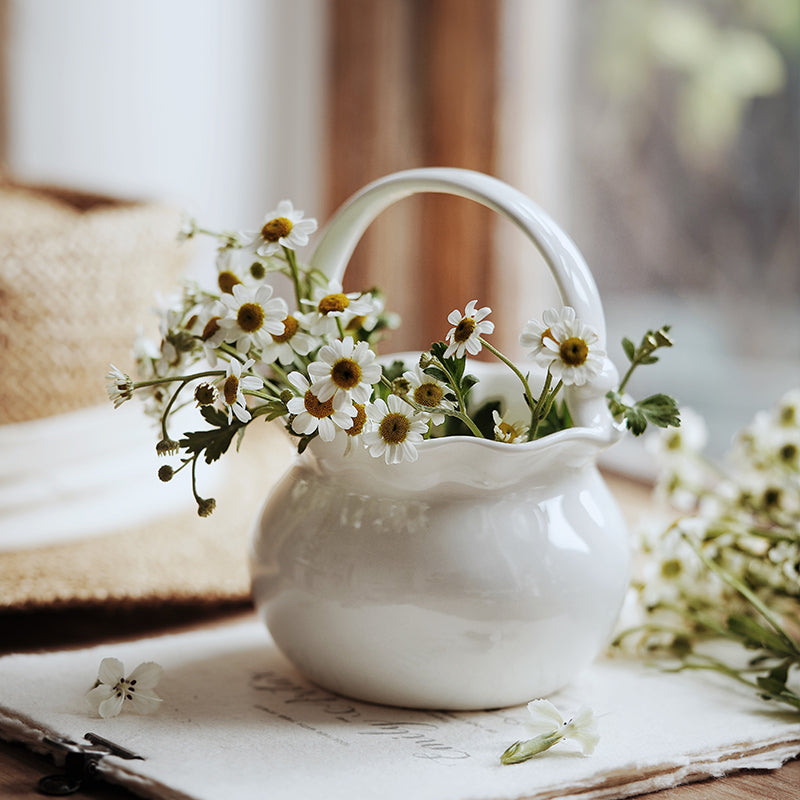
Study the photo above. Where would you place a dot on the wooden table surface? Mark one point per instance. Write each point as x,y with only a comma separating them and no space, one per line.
20,769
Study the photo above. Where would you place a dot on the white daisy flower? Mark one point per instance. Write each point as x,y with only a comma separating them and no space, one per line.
332,308
312,414
570,350
293,341
113,690
535,333
343,367
234,385
284,227
428,392
212,334
395,430
464,336
227,270
510,432
119,386
371,307
253,315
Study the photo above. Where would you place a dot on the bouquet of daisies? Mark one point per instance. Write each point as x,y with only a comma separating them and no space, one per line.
238,352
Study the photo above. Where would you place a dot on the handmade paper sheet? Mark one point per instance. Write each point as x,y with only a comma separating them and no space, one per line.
238,720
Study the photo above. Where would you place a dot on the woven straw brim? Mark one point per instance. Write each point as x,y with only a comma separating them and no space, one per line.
78,277
180,559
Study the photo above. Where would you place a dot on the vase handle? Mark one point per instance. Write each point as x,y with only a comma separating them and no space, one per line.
573,278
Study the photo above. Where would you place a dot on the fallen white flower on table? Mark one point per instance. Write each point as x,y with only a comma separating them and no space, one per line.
549,728
113,690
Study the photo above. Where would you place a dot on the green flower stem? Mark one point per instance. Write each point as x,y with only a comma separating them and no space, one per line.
449,411
185,378
513,367
523,750
748,594
291,260
454,386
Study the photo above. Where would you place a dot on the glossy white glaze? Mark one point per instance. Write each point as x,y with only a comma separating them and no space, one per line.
482,575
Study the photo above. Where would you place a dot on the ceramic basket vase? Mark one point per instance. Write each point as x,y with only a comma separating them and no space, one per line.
482,575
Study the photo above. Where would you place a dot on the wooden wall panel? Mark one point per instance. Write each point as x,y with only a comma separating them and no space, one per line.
414,83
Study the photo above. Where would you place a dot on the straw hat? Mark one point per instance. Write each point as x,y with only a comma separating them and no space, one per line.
83,517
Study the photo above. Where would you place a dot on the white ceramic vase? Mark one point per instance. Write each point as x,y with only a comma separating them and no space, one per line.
482,575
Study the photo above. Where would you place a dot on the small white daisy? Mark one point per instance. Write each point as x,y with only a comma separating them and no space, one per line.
535,333
395,430
234,385
331,307
284,227
428,392
113,690
570,350
253,314
312,414
211,332
344,367
464,336
293,341
509,432
119,386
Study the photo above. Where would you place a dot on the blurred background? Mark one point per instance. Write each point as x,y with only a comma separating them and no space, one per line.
663,136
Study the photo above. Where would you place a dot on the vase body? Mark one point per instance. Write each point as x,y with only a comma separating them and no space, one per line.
482,575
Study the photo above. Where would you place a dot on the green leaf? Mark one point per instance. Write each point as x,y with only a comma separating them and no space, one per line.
215,441
629,347
661,410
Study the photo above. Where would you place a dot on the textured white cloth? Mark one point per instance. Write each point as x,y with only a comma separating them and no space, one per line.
238,721
83,473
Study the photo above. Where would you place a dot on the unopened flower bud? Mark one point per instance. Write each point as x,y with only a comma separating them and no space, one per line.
165,473
286,395
167,447
258,270
206,506
425,360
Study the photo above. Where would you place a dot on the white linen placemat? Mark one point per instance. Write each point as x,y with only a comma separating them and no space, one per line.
238,721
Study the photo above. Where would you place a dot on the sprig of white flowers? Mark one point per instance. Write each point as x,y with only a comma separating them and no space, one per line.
729,568
549,728
242,353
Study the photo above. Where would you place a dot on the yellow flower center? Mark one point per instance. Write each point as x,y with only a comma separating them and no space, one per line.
346,373
276,229
290,326
315,407
250,317
394,428
212,326
548,334
226,280
574,351
356,323
333,302
358,420
428,394
464,330
230,389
